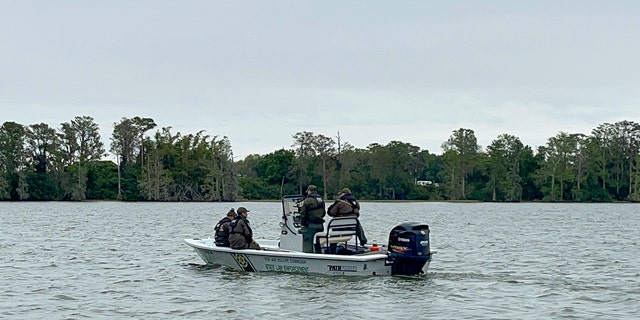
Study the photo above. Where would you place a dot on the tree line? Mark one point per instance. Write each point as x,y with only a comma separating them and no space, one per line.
39,162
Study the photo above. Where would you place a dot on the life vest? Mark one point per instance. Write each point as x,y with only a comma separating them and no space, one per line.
233,228
222,232
316,213
353,202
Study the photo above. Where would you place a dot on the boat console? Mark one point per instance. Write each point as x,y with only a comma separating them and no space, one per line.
290,238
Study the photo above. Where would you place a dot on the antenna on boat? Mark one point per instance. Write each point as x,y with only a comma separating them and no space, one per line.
281,187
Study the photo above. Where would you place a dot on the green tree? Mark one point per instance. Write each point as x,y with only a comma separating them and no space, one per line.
123,146
325,148
628,138
102,180
305,158
504,168
394,168
556,170
462,149
271,175
127,144
142,125
580,164
162,162
42,146
380,161
220,180
12,158
600,148
80,144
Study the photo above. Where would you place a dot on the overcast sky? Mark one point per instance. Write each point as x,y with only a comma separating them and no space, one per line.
260,71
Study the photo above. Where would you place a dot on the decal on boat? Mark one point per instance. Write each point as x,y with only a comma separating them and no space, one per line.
243,261
285,265
342,268
397,248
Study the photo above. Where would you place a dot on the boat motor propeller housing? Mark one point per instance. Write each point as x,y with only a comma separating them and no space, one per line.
409,248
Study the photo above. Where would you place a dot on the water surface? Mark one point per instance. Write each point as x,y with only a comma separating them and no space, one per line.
107,260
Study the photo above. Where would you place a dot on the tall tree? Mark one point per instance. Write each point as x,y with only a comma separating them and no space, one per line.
81,144
142,125
504,167
556,170
305,153
43,148
12,157
127,144
124,141
160,158
601,141
580,163
529,165
380,160
628,138
464,144
344,162
220,181
325,148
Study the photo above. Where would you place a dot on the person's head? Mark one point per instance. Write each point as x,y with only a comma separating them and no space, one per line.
312,189
242,211
231,214
344,191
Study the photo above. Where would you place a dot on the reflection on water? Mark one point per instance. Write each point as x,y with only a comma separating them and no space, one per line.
498,261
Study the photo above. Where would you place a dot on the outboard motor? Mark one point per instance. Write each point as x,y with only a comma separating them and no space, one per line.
409,248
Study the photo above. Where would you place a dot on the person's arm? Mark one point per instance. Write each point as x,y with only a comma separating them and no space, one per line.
247,232
333,209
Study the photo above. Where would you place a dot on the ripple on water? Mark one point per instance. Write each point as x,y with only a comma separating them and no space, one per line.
495,261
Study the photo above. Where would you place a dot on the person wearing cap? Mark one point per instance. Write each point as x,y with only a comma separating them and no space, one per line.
312,214
347,206
222,229
240,234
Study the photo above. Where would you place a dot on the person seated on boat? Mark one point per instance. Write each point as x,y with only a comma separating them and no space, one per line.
240,233
222,229
347,206
312,214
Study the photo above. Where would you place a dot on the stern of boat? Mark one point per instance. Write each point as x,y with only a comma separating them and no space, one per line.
410,248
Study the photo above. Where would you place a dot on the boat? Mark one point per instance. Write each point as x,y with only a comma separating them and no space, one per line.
338,253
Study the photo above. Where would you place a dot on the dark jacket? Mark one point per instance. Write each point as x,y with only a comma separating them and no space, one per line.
222,232
345,206
312,210
240,234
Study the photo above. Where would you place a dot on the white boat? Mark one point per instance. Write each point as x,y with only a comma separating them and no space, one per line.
339,253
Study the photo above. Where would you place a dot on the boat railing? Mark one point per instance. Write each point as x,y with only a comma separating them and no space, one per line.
338,230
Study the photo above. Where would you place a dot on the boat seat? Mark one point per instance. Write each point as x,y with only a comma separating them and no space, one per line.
338,230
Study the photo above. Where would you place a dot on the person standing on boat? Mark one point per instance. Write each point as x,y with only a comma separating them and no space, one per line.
347,206
222,229
240,233
312,214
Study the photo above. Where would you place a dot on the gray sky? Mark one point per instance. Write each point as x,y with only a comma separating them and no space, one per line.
260,71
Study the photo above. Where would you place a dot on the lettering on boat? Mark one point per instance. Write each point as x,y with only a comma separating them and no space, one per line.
342,268
285,260
285,265
286,268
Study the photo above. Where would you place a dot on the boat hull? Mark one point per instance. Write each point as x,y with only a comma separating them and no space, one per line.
274,259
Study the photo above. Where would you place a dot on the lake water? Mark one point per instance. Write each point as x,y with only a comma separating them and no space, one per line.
109,260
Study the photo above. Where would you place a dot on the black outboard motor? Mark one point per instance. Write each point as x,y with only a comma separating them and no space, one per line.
409,248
